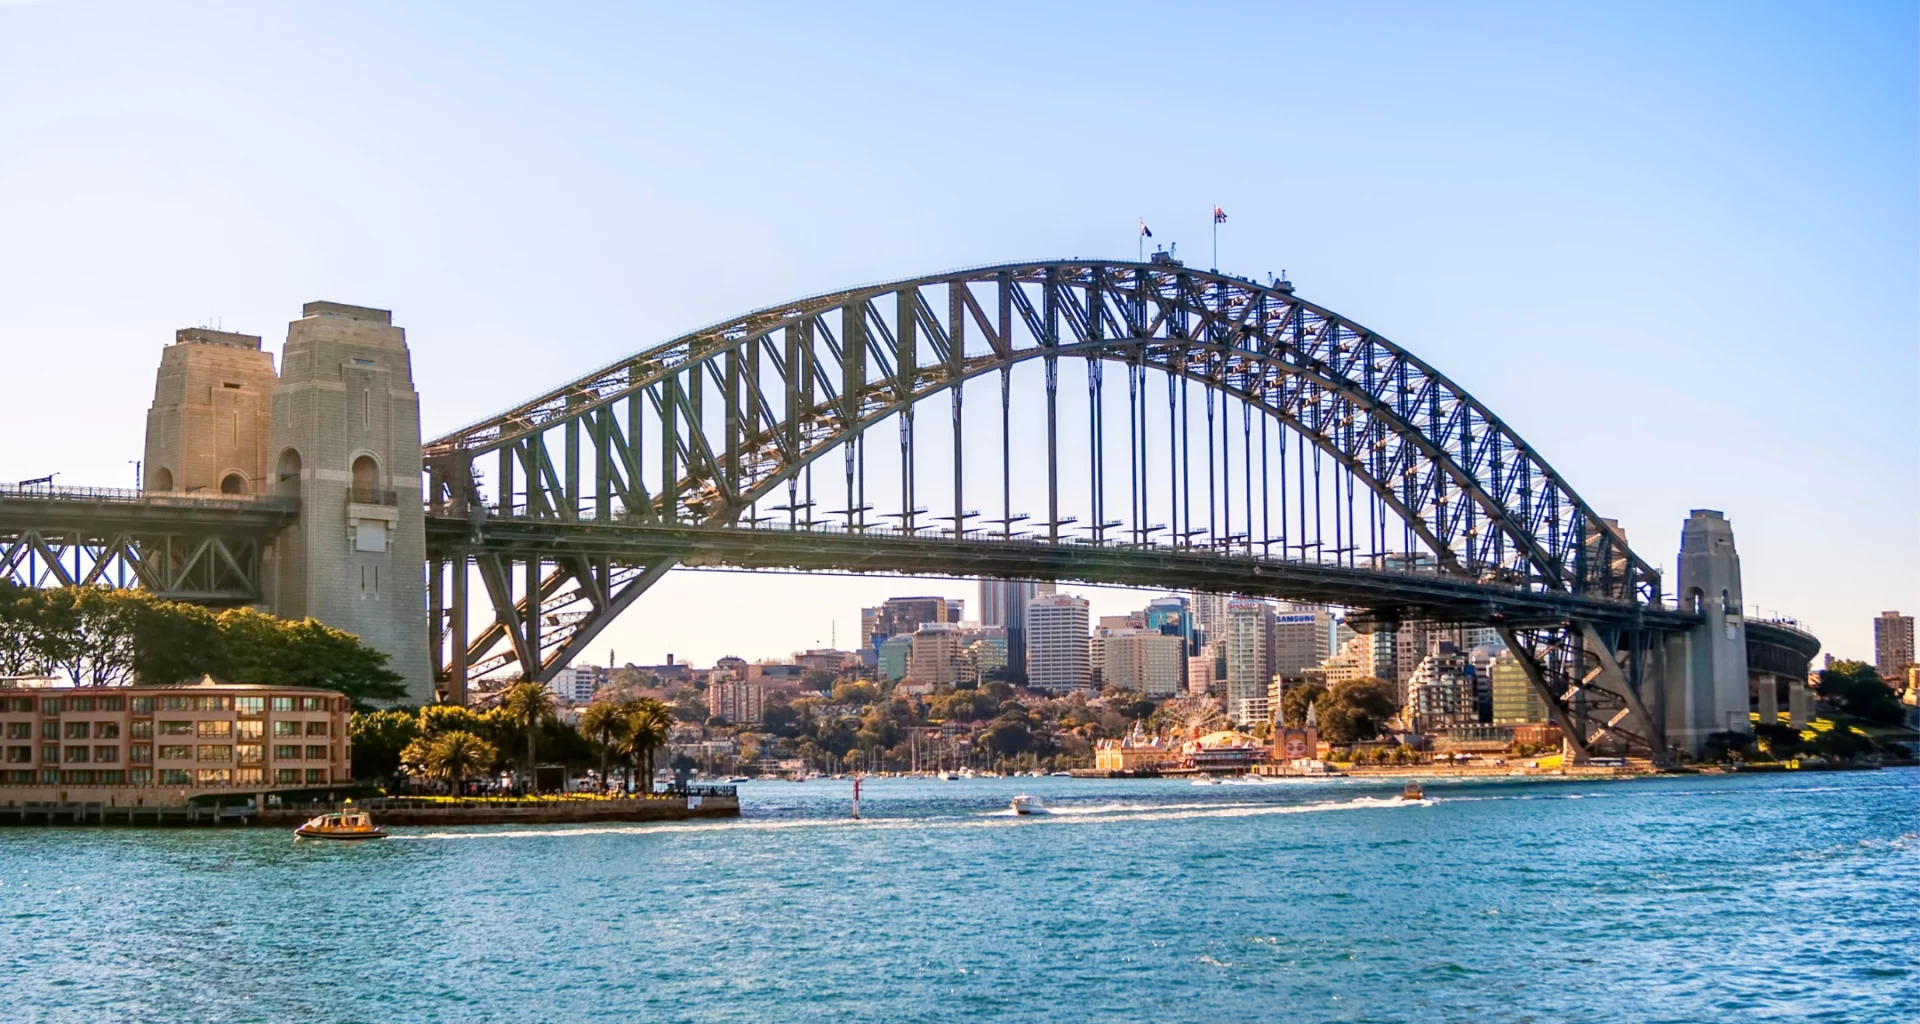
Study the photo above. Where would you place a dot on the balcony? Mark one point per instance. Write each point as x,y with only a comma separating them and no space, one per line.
372,496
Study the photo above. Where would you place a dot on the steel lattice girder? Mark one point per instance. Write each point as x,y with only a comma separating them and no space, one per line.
1477,493
719,419
206,550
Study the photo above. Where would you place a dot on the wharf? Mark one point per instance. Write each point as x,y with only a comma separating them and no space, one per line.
676,805
695,802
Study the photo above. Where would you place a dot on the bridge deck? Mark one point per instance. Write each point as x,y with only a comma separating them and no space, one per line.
1387,593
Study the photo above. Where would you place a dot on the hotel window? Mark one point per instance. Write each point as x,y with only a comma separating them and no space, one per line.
215,703
318,728
176,753
77,778
283,703
110,703
176,703
286,776
51,755
79,704
50,775
250,705
19,703
75,755
113,777
76,730
49,730
213,776
140,777
106,730
20,778
50,705
286,728
314,753
286,753
174,777
19,755
140,753
19,730
221,729
143,705
246,776
316,775
252,730
213,752
248,753
106,755
176,728
141,729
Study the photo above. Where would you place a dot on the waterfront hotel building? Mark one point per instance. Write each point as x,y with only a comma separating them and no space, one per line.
164,745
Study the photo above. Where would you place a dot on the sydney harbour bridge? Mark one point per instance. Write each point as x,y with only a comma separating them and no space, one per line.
1133,423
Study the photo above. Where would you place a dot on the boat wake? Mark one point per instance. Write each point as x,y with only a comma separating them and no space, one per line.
1091,815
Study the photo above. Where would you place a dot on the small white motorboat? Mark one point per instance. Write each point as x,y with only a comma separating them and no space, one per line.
1024,804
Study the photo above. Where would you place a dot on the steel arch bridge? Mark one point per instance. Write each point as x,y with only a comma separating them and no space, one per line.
1120,422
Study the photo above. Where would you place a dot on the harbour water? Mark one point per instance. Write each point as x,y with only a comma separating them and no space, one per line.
1681,899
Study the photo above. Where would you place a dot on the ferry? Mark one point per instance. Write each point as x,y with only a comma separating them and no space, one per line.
1412,791
347,824
1024,804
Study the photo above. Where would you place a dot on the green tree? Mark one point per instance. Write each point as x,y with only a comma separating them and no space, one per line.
379,740
854,691
1857,689
1354,709
20,618
649,726
526,707
605,722
453,757
282,652
1296,701
436,719
175,642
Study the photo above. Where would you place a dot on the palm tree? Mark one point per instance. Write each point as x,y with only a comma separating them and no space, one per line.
526,707
454,756
606,722
648,726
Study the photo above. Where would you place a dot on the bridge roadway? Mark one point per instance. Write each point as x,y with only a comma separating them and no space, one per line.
183,547
1387,594
208,548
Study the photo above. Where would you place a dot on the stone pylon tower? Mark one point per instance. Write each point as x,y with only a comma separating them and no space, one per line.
207,429
1706,670
346,440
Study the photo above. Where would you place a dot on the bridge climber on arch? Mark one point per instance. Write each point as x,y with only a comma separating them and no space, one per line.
1143,424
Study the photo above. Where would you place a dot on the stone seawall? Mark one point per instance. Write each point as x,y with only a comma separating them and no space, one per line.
555,812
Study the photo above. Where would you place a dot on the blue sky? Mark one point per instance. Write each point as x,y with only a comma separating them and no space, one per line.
1677,247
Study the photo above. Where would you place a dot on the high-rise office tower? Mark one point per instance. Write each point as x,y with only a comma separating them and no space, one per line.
1248,633
1003,603
1893,646
1057,654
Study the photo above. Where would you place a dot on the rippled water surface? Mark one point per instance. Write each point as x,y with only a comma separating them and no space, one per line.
1723,899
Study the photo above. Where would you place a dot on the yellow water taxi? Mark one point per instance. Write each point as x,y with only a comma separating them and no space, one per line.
1412,791
347,824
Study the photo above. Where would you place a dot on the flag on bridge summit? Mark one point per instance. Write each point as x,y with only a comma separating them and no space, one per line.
1219,215
1145,231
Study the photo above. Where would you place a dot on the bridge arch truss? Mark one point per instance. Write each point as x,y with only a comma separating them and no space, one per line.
1185,419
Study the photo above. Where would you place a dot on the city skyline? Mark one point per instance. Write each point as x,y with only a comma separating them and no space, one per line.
1688,206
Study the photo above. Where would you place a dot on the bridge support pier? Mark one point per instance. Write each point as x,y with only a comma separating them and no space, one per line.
1766,692
1798,703
1706,687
